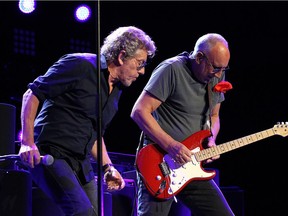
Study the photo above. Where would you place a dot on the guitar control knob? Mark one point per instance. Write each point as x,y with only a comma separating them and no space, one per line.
174,175
173,182
158,177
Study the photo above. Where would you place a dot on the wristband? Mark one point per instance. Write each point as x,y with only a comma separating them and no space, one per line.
107,167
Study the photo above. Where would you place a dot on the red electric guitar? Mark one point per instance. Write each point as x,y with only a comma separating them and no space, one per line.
164,178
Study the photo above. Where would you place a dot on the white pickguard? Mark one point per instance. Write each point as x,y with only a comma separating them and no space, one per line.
181,174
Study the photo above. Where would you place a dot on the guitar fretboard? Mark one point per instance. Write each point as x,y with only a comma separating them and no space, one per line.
234,144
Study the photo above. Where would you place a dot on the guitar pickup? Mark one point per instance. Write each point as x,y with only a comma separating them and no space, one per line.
164,168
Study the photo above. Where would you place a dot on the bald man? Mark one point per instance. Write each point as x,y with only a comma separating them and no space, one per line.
178,101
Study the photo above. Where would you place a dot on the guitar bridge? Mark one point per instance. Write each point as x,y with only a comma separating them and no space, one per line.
164,168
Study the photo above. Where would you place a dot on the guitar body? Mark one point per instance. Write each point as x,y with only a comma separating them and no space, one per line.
162,176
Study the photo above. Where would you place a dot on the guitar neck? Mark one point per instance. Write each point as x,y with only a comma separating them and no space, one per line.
234,144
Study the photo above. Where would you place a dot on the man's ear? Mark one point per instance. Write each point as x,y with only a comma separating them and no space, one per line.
199,57
121,57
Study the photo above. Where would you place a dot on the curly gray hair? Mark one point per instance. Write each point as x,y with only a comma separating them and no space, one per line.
127,38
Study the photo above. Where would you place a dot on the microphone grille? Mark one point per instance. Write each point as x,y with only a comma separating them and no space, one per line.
48,160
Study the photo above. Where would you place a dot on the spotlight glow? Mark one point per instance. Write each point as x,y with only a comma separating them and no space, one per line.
27,6
82,13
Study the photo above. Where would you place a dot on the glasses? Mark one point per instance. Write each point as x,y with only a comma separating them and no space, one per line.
216,69
141,64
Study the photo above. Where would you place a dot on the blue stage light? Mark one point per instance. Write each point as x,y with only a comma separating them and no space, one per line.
82,13
27,6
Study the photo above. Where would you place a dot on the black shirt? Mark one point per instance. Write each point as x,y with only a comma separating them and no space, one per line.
66,126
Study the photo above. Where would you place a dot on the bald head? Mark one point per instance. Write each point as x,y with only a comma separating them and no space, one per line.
210,57
211,42
215,47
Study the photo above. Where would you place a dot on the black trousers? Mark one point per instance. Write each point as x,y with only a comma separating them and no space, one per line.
203,198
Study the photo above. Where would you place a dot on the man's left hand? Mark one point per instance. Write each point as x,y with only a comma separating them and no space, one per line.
113,179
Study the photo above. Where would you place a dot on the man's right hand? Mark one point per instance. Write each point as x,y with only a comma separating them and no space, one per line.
29,155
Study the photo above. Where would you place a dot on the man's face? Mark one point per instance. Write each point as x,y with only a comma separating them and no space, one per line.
133,67
213,64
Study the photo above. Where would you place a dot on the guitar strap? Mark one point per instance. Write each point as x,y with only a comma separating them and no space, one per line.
140,145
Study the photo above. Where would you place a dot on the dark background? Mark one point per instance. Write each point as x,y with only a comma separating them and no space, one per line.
256,32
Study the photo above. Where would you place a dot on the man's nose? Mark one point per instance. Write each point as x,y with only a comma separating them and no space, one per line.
141,71
218,74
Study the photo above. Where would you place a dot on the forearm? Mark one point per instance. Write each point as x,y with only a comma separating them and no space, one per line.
215,127
28,151
29,108
112,177
105,157
150,127
215,122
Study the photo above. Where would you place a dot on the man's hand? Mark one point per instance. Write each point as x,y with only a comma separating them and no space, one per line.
113,179
29,155
180,153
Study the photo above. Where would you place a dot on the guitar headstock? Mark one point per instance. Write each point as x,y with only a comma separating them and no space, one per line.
281,128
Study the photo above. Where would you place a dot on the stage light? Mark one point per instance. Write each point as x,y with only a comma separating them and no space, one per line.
78,45
24,42
82,13
27,6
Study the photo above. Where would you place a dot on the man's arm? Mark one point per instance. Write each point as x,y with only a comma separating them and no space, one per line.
142,115
215,121
215,128
28,151
105,157
112,177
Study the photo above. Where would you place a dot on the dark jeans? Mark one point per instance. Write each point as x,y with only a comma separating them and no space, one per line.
61,184
203,198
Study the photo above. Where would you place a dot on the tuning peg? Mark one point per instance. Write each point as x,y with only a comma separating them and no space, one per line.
282,123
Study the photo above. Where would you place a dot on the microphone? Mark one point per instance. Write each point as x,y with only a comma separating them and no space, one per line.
46,160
